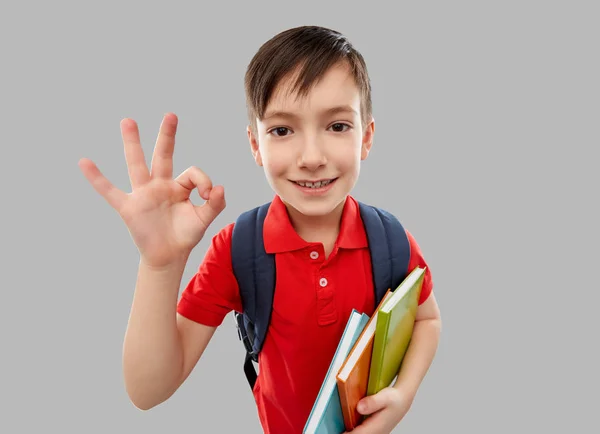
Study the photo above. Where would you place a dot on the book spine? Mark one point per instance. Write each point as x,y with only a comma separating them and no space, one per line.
344,401
381,331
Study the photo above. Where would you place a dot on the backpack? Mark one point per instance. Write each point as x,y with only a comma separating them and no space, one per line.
254,270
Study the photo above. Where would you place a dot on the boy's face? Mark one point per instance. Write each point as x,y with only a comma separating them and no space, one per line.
311,154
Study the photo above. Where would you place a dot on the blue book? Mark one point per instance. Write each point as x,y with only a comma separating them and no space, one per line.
326,415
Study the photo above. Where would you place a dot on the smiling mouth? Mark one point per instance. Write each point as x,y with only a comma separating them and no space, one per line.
315,184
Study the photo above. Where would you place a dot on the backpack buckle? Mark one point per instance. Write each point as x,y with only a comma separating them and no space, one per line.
243,336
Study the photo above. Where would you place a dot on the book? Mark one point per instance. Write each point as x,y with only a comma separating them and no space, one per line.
393,332
353,376
326,416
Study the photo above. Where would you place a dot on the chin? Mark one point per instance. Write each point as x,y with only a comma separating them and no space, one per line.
313,209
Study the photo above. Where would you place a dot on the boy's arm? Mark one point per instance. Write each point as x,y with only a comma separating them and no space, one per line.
422,348
427,328
161,347
389,406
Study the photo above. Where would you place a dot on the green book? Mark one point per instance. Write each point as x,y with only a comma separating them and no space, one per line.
393,332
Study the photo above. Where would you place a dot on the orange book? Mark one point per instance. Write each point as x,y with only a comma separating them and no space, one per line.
353,376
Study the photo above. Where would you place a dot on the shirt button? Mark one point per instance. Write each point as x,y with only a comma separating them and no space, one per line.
314,255
323,282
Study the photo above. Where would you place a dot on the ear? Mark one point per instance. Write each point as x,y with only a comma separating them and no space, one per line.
254,146
367,141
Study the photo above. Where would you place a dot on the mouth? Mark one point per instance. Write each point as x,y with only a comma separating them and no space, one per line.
315,184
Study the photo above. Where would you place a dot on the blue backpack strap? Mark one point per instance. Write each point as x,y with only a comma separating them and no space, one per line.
254,270
388,246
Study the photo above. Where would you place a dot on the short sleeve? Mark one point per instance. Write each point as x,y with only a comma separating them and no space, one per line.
213,291
417,260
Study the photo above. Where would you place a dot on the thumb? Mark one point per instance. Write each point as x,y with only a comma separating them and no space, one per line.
214,204
370,404
216,198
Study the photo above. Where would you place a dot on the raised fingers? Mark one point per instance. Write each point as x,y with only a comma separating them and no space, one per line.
103,186
134,155
162,158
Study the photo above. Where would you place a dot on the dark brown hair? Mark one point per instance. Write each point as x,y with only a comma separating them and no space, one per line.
314,50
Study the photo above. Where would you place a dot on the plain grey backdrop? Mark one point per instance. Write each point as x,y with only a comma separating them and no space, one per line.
486,148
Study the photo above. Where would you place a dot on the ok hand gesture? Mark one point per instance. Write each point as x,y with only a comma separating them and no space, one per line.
164,224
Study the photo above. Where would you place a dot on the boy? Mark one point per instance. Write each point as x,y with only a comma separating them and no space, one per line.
309,107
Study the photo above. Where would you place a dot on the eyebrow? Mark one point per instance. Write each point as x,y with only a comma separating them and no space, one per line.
327,112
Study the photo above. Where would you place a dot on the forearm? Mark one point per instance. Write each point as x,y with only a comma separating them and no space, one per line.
419,355
152,351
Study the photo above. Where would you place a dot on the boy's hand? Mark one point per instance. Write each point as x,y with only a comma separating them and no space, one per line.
164,224
385,409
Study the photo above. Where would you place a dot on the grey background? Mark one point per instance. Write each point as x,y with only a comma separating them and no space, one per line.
486,148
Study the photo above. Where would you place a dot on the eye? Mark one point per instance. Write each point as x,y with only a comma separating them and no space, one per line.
279,131
339,127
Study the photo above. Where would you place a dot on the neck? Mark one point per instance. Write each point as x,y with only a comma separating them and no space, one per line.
322,228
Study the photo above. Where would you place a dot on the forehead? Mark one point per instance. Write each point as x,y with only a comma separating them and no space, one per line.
336,87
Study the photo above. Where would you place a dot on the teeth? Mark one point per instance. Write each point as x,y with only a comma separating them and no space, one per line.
317,184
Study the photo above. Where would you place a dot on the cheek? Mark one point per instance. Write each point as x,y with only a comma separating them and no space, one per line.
275,162
274,167
349,160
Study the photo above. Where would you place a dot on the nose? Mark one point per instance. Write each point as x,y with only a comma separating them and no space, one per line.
312,155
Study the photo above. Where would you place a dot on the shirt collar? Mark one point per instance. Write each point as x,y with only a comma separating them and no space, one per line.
279,234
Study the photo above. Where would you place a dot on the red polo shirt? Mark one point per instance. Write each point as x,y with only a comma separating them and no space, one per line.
313,300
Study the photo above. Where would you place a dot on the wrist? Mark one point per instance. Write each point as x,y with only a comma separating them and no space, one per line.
408,389
177,265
